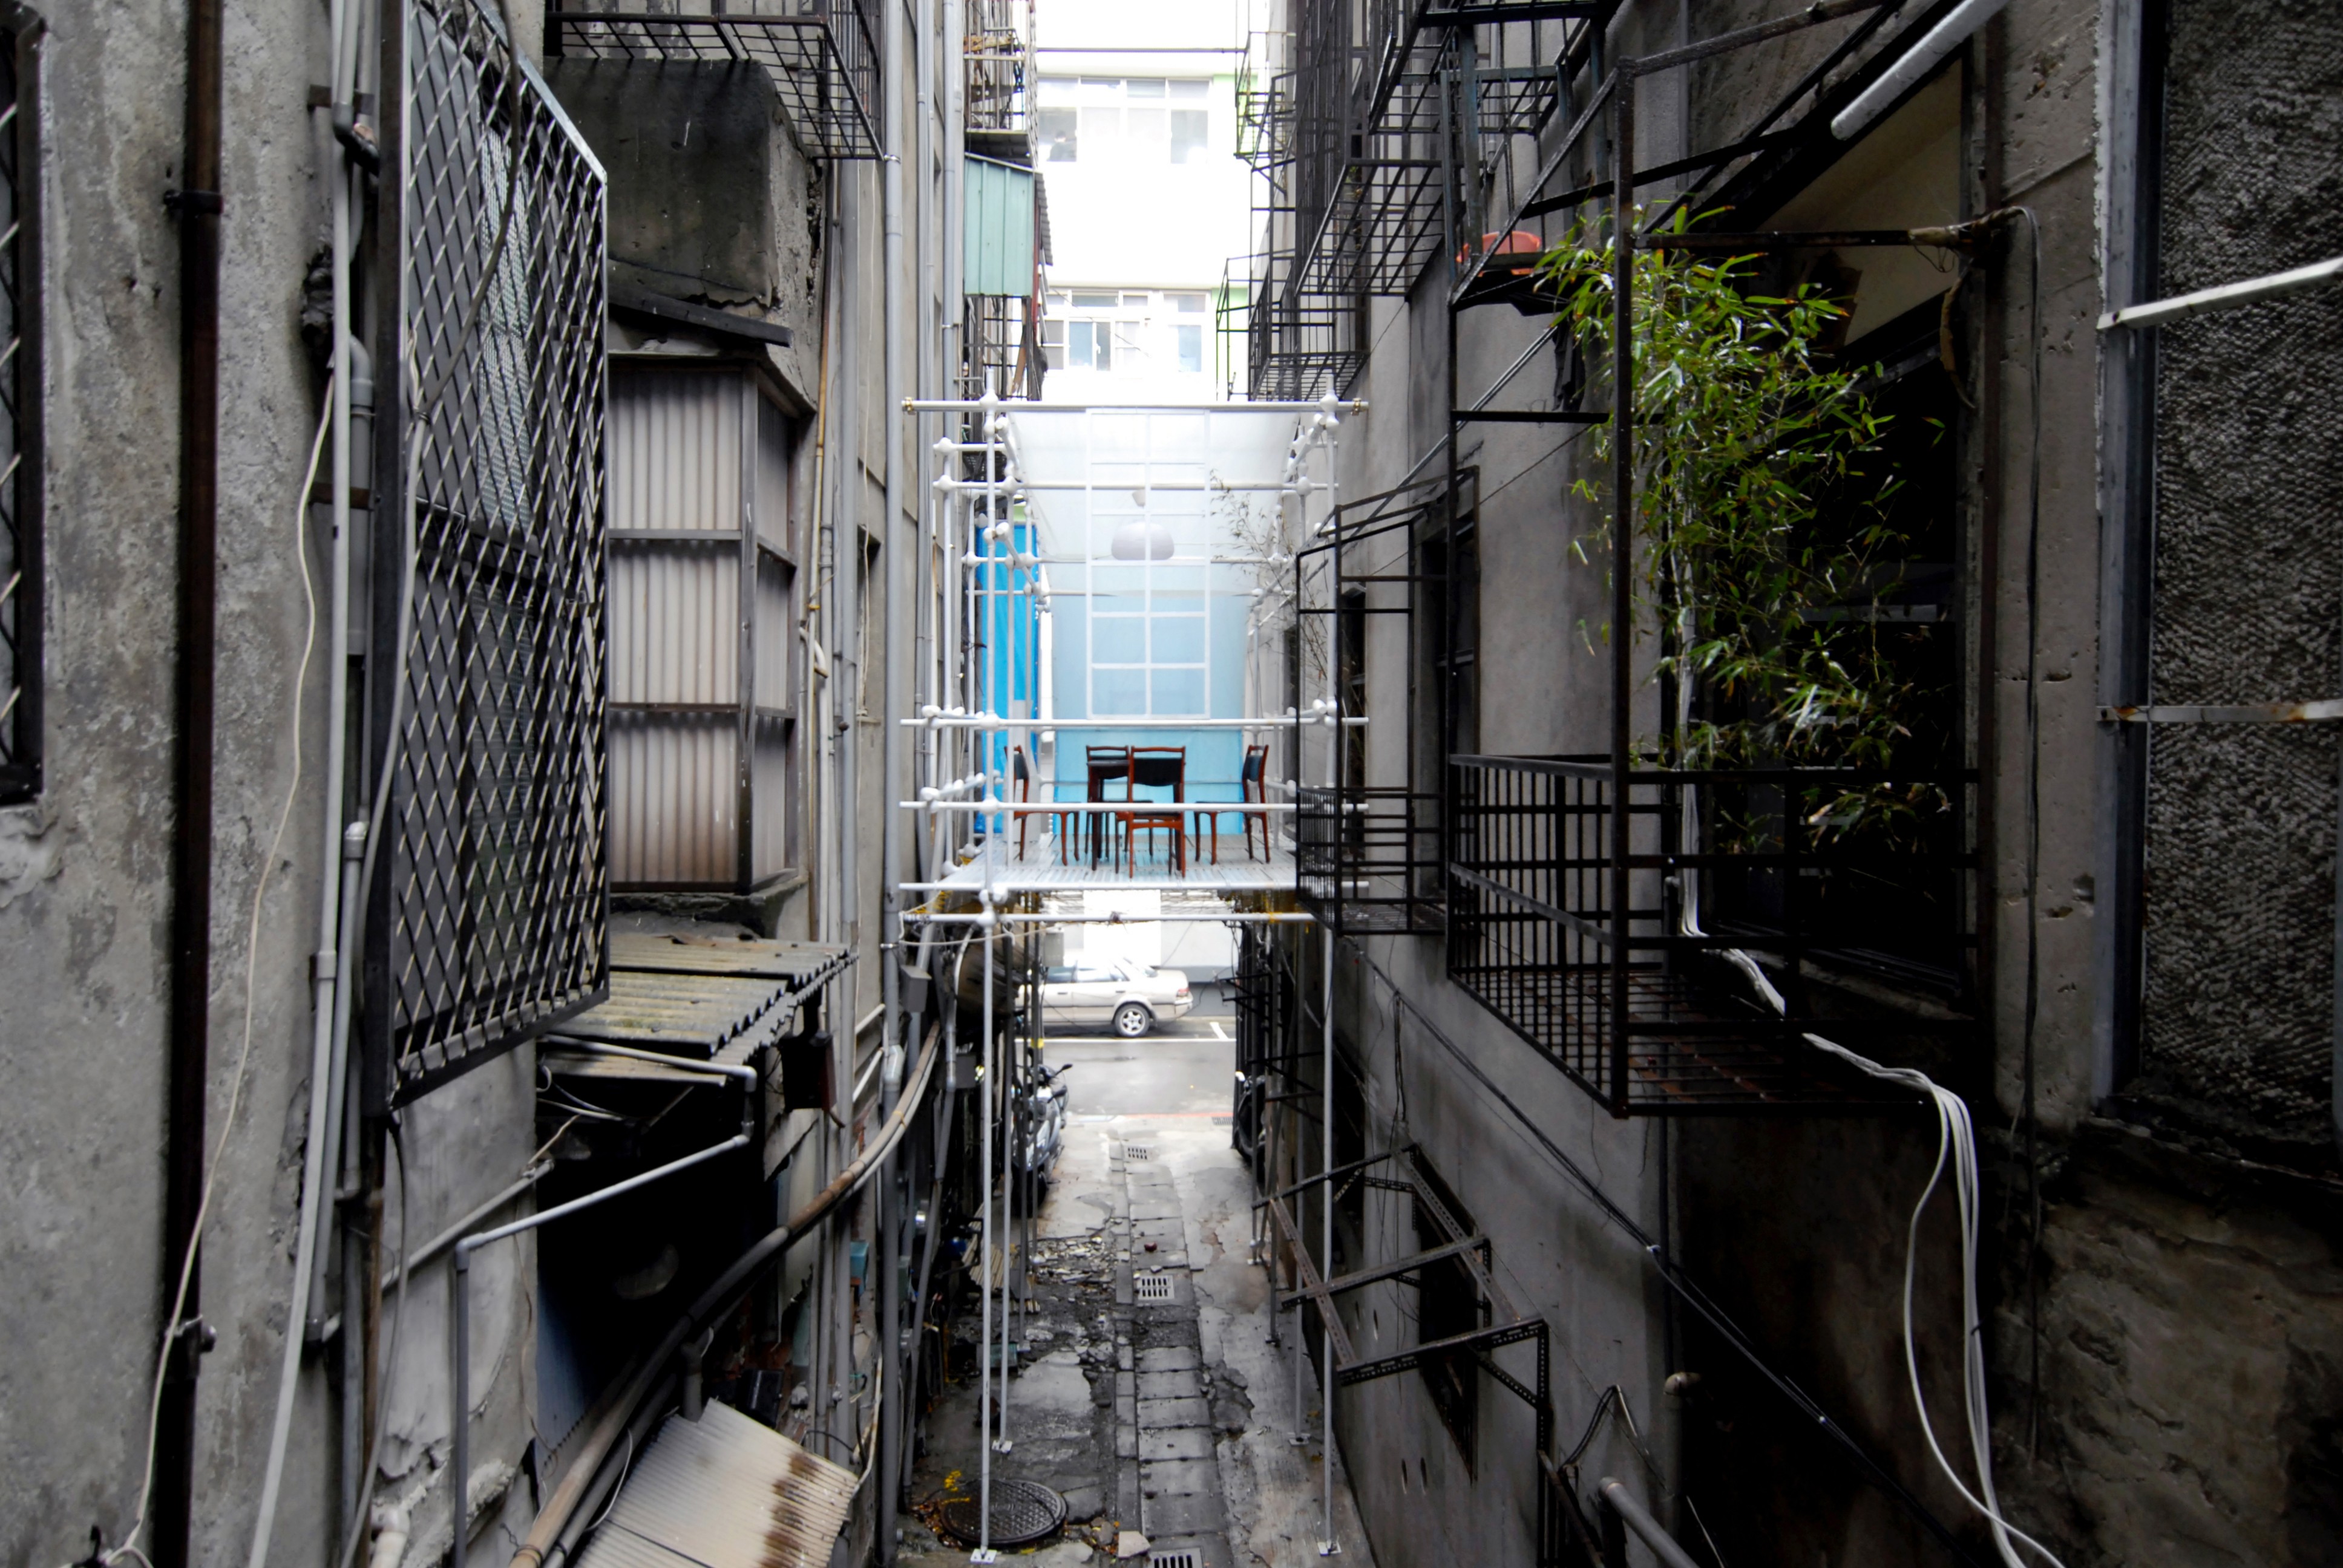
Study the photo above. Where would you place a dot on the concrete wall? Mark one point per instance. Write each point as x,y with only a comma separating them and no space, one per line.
84,875
2164,1384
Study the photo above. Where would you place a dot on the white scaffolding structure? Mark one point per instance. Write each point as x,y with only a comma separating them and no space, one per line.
1163,523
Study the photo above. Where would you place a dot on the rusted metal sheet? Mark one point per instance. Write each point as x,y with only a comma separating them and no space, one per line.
724,1492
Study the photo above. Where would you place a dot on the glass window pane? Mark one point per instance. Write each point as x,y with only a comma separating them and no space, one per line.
1059,130
1146,132
1192,89
1115,692
1094,301
1103,129
1145,87
1084,339
1192,347
1137,301
1191,134
1187,303
1179,691
1053,332
1179,638
1119,639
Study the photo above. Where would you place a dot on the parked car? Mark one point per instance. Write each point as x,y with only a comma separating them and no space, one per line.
1131,997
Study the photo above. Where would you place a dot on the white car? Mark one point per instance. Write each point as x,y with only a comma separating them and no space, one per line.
1130,996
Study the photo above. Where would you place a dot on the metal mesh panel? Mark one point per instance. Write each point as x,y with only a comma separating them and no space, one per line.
819,54
2239,1012
20,381
490,900
1651,1027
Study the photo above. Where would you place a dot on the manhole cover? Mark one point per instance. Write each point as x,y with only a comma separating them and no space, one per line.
1022,1513
1151,1288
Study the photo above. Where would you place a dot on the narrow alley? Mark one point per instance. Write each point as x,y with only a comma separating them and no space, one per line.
1162,1412
1403,783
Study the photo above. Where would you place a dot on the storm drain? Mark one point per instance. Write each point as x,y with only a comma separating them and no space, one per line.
1022,1512
1139,1152
1178,1557
1151,1288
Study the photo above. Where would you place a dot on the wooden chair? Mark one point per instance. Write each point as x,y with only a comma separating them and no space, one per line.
1106,765
1156,768
1022,770
1254,790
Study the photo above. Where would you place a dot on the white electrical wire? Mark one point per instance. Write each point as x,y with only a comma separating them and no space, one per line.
1955,1138
129,1546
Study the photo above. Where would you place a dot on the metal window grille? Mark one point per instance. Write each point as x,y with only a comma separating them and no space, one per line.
822,56
21,577
489,903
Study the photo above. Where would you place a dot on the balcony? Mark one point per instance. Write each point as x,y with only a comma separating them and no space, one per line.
820,55
1625,963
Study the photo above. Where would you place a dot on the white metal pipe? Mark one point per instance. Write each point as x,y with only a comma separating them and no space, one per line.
745,1075
994,721
990,808
1020,405
1231,917
1647,1529
984,1285
2225,297
461,1400
1941,40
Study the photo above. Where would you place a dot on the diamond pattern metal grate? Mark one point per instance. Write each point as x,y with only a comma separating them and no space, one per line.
20,382
490,902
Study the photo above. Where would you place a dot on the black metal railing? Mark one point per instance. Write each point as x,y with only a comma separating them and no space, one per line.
822,56
1619,942
1368,859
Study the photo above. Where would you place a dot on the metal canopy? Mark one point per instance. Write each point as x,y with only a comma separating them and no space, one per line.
819,54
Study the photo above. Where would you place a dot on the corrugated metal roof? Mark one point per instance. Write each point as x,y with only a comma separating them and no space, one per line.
724,1492
712,998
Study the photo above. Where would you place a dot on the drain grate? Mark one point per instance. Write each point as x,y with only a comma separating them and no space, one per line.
1151,1288
1022,1512
1139,1152
1177,1557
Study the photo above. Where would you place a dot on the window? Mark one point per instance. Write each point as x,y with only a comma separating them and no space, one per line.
489,920
1137,301
1090,345
1146,134
21,577
1145,87
1053,343
1060,132
1191,135
1148,614
1188,304
1195,89
1191,343
1448,1304
1095,301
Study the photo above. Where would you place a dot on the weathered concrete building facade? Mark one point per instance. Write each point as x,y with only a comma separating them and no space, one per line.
1582,1097
455,484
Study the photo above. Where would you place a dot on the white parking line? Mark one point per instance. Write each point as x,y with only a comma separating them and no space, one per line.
1218,1033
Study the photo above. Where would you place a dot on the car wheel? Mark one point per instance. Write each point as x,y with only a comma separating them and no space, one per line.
1131,1020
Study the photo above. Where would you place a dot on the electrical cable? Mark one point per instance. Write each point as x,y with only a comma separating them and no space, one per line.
355,1531
1674,1277
128,1546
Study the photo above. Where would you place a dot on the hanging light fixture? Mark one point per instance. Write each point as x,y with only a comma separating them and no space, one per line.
1143,540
